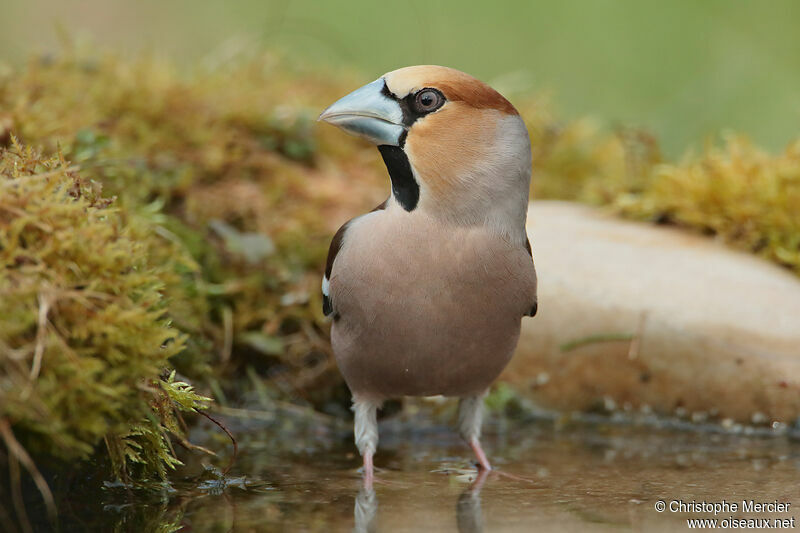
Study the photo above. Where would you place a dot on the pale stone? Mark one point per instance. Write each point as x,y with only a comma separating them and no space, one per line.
698,327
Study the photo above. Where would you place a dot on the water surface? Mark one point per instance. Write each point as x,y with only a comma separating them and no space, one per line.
597,476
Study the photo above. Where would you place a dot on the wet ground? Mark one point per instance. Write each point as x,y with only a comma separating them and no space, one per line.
576,476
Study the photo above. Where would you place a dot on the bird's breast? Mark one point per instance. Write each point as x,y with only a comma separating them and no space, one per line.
425,309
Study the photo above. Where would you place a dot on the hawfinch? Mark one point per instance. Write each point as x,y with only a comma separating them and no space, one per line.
428,290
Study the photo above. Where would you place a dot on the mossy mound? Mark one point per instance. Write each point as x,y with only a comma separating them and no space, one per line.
744,195
224,161
84,335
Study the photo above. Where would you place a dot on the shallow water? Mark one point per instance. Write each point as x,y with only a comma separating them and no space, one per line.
550,477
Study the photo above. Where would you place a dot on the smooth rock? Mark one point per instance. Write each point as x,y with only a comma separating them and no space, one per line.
639,317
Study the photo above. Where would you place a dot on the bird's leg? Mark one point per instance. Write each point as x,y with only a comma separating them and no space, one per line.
366,434
470,416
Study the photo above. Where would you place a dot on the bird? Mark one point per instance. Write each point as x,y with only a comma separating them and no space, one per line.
427,292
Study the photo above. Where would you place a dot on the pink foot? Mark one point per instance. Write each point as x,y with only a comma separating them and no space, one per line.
483,462
484,467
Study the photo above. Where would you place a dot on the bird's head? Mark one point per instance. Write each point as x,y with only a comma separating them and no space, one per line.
455,148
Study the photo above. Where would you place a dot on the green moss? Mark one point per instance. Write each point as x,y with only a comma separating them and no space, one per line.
744,195
84,333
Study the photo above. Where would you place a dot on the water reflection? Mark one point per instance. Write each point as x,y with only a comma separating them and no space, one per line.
576,479
469,518
365,511
468,509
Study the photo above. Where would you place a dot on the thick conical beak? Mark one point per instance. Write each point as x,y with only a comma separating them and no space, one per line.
370,113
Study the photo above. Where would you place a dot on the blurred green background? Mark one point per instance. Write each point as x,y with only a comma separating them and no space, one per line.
685,70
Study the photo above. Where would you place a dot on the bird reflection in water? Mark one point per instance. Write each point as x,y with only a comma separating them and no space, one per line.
468,508
366,510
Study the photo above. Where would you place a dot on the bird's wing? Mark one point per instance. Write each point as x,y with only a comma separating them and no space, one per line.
535,305
336,245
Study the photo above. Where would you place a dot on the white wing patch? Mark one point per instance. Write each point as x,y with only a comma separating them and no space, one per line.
326,286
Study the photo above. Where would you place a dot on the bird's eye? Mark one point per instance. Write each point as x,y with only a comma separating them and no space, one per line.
428,100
